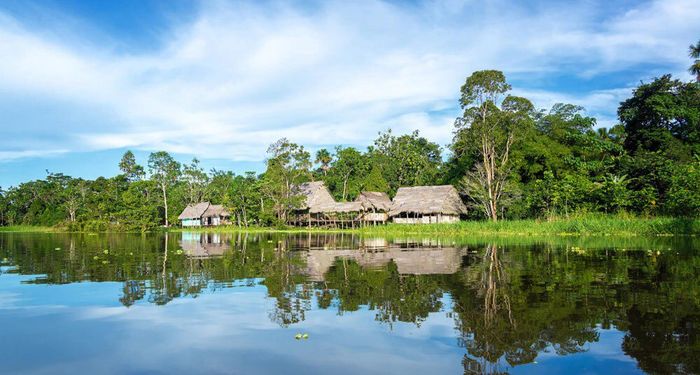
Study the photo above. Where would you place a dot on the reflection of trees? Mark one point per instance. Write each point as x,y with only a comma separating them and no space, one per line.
132,291
494,287
504,321
285,283
395,297
663,317
509,303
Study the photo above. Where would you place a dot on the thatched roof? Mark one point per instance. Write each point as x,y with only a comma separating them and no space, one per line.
374,200
317,199
347,207
194,211
442,199
215,210
202,209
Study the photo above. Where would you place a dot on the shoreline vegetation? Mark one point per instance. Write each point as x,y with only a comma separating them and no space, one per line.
583,225
521,171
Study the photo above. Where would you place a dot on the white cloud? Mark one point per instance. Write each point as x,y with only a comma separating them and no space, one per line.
11,155
242,75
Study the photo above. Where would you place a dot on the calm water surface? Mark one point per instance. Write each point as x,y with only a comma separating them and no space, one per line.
233,303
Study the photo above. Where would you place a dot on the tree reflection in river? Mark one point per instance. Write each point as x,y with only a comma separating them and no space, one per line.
509,302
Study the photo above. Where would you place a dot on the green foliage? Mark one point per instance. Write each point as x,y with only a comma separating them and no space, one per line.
486,132
130,168
375,181
196,181
347,173
684,191
324,159
288,166
579,224
165,171
406,160
694,53
526,163
663,116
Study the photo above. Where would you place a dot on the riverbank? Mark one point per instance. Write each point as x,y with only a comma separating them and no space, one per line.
588,225
31,229
585,225
594,225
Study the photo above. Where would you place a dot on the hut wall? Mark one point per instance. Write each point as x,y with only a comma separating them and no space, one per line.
376,216
191,222
427,219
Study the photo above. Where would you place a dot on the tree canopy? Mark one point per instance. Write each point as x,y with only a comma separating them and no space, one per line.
510,159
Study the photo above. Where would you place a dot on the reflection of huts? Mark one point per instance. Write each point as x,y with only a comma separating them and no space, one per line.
375,205
445,261
427,204
319,208
203,214
203,245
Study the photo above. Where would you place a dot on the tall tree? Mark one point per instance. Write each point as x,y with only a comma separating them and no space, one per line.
243,198
493,124
74,197
406,160
288,165
347,172
130,168
694,53
164,171
196,180
3,207
324,159
664,116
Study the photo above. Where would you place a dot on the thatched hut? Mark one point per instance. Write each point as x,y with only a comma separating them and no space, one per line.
427,204
204,214
320,208
375,205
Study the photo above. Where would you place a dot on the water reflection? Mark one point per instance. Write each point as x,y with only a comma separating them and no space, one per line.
510,304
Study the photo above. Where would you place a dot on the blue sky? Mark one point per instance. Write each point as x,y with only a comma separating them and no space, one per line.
83,81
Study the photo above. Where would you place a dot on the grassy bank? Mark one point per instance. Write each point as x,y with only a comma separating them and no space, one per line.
585,225
30,228
589,225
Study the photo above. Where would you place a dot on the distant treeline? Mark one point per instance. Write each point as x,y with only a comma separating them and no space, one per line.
508,159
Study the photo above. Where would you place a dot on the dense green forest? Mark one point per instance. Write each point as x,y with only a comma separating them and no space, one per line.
509,160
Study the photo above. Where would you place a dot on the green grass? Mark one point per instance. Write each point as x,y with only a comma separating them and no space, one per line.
587,225
582,225
29,228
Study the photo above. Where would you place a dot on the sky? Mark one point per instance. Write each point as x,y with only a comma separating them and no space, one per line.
81,82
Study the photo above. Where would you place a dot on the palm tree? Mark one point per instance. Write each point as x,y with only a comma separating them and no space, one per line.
603,133
694,52
324,158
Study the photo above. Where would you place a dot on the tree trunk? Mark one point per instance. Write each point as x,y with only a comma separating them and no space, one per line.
165,204
345,185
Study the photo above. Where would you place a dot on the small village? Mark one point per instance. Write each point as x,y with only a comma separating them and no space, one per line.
411,205
349,187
